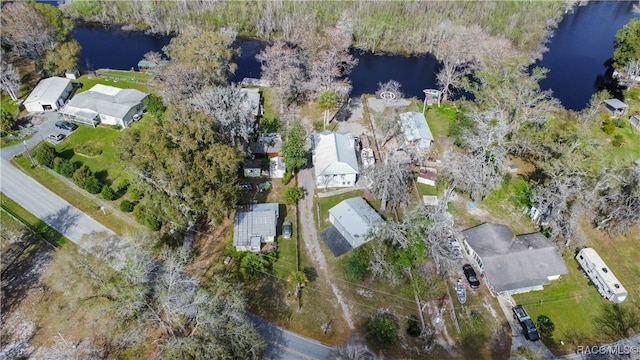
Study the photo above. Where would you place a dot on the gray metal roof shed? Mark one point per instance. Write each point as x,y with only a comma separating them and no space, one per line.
355,219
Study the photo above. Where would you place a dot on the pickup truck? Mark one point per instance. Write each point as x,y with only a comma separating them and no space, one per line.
528,327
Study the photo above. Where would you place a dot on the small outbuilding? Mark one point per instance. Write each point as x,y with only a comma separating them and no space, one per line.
635,120
355,220
266,145
513,264
72,74
616,107
428,176
276,167
252,168
50,94
255,225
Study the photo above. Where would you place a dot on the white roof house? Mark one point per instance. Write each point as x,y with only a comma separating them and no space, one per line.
255,225
49,94
616,107
105,104
513,264
334,159
355,219
416,130
601,276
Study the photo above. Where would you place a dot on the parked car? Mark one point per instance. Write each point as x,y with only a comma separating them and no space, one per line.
286,230
56,137
66,125
471,276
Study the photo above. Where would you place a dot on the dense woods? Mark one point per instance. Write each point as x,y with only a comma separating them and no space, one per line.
399,27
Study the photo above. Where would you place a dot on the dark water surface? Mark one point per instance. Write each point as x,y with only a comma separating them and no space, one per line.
577,55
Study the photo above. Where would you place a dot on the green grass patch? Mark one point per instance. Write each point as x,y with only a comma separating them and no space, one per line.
133,76
13,137
569,302
440,118
95,147
327,203
88,81
39,227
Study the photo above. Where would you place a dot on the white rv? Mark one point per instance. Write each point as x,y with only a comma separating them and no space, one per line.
601,276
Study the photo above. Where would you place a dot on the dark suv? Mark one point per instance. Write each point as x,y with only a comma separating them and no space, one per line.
66,125
471,276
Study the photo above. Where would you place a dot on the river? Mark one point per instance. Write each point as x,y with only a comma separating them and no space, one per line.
577,54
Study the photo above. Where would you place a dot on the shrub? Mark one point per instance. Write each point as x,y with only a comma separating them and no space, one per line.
292,195
107,193
618,140
287,177
81,176
45,155
413,326
92,185
608,126
152,223
139,213
89,148
64,167
126,206
116,127
619,123
136,194
357,267
155,105
546,327
382,330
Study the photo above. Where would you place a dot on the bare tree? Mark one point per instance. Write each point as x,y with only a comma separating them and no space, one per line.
26,29
632,71
329,61
9,78
282,67
479,168
618,208
231,110
389,182
180,82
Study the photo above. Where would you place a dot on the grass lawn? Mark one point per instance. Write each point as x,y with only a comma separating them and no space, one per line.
132,76
114,219
26,218
96,148
572,304
88,81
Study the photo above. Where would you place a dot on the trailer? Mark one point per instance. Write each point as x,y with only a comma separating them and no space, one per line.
528,327
601,276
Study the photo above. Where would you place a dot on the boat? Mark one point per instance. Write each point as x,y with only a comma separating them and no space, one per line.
368,160
461,291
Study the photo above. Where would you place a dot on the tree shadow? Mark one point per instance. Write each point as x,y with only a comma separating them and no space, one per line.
102,177
22,272
67,154
63,219
311,273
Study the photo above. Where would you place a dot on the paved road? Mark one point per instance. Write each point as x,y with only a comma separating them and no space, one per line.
285,345
38,200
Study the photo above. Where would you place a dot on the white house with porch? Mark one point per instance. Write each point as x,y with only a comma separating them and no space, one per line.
105,104
416,130
334,159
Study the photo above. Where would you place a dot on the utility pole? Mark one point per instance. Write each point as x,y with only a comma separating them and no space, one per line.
33,162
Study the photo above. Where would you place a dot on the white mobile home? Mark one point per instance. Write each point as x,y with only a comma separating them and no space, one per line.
601,276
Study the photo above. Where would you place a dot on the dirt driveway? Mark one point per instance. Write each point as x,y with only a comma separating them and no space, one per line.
306,180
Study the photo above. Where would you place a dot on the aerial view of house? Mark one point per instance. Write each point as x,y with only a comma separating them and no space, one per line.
322,180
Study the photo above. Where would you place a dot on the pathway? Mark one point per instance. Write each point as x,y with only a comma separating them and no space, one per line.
306,180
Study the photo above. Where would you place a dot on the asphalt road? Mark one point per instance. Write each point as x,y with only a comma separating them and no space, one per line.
38,200
285,345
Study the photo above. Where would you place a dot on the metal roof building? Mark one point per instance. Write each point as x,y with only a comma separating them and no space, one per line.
354,218
254,225
49,94
513,264
105,104
416,130
334,159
